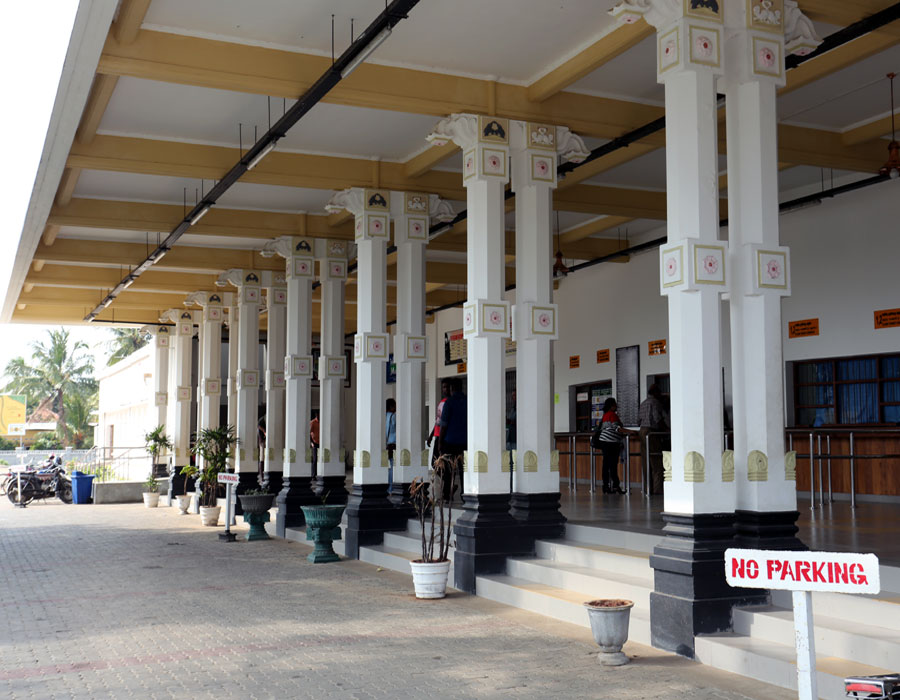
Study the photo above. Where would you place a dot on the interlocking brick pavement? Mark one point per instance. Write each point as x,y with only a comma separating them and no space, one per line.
120,601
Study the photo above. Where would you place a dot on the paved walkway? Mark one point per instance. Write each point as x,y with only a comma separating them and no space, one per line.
119,601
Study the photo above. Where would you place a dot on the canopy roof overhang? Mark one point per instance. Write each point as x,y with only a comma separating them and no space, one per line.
158,99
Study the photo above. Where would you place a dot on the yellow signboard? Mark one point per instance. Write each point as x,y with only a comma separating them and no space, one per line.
12,411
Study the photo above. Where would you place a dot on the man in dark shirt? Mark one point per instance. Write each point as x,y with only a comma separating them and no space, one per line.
454,426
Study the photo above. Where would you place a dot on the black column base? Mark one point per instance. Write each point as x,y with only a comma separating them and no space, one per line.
486,534
538,515
399,498
273,482
331,490
296,491
767,530
247,481
691,595
177,483
369,515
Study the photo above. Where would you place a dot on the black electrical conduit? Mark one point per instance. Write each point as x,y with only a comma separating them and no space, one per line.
390,17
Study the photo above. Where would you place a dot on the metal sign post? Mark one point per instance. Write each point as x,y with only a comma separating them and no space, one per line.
802,573
230,481
18,502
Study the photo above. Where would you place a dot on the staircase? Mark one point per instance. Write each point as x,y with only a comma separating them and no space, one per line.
593,562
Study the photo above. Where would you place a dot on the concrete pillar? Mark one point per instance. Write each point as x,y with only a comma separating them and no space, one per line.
369,512
296,488
535,498
486,533
760,272
247,382
276,311
161,350
330,470
233,321
181,390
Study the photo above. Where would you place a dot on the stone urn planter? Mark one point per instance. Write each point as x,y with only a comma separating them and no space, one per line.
184,502
256,512
151,500
609,623
209,515
430,578
323,526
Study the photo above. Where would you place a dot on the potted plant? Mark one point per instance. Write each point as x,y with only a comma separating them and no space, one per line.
213,446
156,442
256,504
609,623
427,496
151,492
189,471
323,526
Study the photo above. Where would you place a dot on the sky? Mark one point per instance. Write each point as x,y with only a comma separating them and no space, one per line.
32,58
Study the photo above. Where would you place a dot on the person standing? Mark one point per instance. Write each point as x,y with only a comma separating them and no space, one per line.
610,436
390,436
314,439
454,433
653,420
261,449
435,434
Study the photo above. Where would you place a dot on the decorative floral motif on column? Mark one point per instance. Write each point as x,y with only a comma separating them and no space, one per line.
728,466
790,466
757,466
667,466
554,461
694,467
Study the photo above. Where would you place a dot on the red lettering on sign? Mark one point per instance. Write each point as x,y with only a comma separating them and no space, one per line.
752,569
773,566
737,567
838,573
787,571
858,578
803,571
818,572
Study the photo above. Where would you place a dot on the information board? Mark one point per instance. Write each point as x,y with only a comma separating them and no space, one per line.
455,347
12,412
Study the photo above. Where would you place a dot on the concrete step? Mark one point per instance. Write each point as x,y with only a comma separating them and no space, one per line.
604,559
776,663
558,603
879,646
883,607
586,582
609,537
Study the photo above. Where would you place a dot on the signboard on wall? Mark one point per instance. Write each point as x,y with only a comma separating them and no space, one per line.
887,318
656,347
803,329
12,411
461,368
602,356
454,347
574,361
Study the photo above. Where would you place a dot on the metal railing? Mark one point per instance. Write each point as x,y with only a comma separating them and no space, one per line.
820,462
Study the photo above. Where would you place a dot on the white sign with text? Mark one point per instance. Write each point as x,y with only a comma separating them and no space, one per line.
228,478
834,572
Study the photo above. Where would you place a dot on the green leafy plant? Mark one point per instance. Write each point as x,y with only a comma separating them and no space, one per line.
213,446
157,441
427,496
151,485
257,492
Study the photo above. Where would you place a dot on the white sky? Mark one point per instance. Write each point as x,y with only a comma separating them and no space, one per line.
32,57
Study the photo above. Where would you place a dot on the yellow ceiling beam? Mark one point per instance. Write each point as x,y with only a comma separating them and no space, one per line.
616,42
104,278
145,216
128,21
50,233
67,185
104,253
591,227
868,132
427,159
826,149
845,12
47,296
262,71
612,200
70,316
98,99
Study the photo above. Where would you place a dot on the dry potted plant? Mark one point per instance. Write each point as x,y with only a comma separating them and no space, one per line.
609,624
213,446
435,515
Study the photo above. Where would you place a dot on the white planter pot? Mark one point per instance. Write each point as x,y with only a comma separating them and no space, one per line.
609,624
184,503
209,515
151,500
430,578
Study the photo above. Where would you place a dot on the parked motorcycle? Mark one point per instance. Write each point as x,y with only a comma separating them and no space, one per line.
35,485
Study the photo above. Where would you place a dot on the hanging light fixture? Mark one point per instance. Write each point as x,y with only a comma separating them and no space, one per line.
559,267
892,166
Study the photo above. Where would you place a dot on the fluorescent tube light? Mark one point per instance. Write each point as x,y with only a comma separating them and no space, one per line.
262,154
366,52
197,218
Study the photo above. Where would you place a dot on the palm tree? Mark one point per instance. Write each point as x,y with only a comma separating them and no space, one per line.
59,369
124,342
80,408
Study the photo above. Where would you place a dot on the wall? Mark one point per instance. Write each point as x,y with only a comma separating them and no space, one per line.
125,399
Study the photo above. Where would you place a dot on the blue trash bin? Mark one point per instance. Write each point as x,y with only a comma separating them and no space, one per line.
81,487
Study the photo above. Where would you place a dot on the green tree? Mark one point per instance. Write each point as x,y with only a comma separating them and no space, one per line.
46,441
59,368
80,408
124,342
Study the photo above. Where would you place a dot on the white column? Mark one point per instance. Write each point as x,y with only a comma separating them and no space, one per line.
181,390
766,480
276,308
210,374
411,212
330,473
536,463
247,283
161,350
298,371
233,330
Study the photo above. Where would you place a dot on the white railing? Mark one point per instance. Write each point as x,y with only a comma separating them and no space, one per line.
106,463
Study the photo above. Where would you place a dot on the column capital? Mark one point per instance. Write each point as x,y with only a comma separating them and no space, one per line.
484,142
535,148
370,207
239,278
288,247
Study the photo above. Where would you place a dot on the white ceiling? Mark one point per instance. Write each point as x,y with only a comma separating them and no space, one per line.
508,39
631,75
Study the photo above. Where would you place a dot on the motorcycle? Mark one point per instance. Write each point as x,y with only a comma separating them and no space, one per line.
48,482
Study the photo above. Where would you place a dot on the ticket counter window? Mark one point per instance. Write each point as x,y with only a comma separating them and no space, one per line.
588,403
